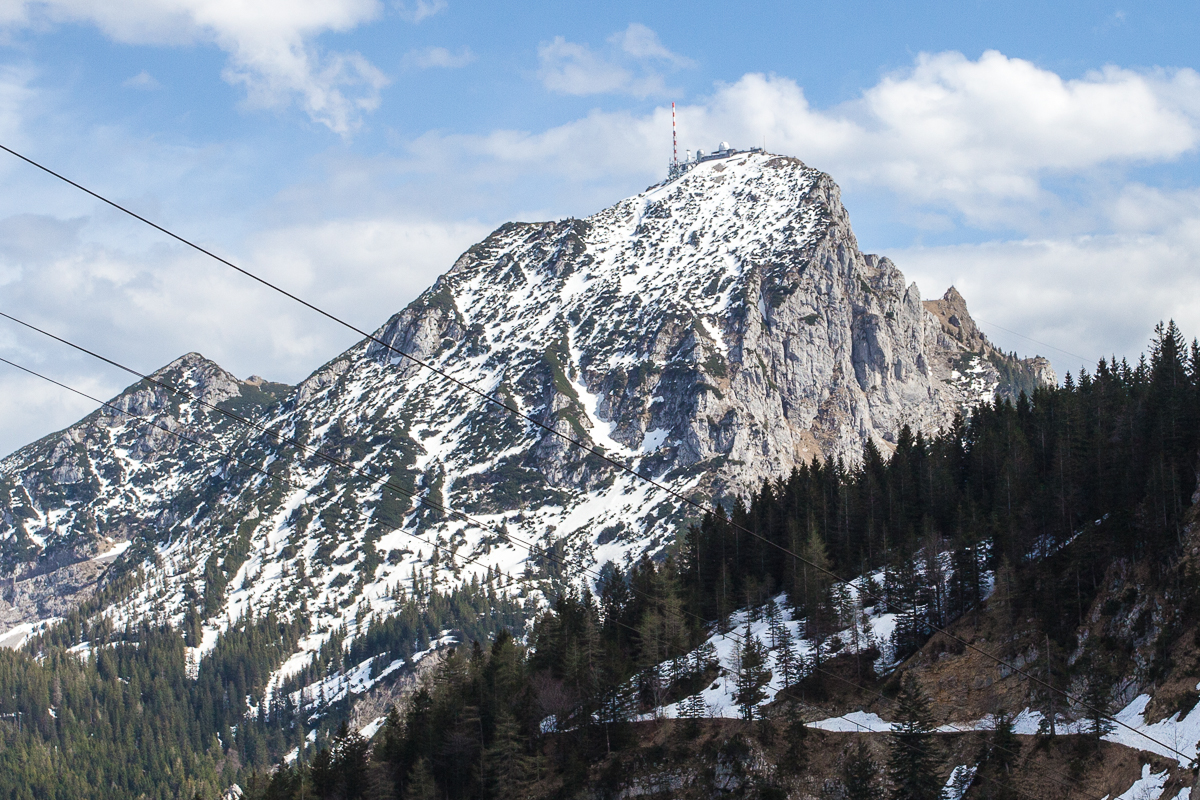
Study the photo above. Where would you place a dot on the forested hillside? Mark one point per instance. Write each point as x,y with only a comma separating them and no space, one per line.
1039,506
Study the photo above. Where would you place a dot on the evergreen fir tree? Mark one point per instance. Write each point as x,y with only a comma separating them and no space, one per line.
815,592
774,622
753,675
506,773
693,707
966,581
996,761
1097,697
905,590
796,735
913,758
420,784
786,656
860,774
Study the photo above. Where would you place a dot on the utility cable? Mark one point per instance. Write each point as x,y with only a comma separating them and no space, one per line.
574,442
1035,341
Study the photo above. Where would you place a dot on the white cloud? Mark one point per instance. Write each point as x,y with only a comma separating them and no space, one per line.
643,43
270,43
977,140
430,57
572,68
31,407
632,65
987,130
420,10
143,80
15,97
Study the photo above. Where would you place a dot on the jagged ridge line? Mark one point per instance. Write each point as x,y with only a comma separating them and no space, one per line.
568,439
530,549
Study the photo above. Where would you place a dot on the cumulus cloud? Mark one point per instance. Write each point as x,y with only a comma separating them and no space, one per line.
642,43
15,96
633,64
980,132
31,407
431,57
978,140
271,45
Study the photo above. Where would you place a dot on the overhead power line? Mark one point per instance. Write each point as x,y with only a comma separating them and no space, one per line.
1035,341
576,443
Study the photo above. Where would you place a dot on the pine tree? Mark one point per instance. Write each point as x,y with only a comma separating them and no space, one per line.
1097,697
752,675
913,759
966,581
904,591
420,784
841,604
774,622
789,661
814,577
999,754
796,735
860,774
506,770
693,707
323,773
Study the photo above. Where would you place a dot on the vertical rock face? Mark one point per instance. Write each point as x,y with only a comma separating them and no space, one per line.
711,332
727,316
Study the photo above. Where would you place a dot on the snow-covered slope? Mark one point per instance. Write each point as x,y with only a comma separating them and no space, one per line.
712,331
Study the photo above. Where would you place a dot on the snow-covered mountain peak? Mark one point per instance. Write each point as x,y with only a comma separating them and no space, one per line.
712,332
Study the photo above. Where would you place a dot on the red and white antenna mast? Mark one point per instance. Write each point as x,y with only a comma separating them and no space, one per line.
674,139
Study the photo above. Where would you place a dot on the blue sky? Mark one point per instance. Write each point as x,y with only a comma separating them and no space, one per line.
1042,157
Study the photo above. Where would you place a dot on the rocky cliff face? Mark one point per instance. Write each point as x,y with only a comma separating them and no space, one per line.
713,331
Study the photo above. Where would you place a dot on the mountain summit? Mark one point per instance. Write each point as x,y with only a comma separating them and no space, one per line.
712,331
